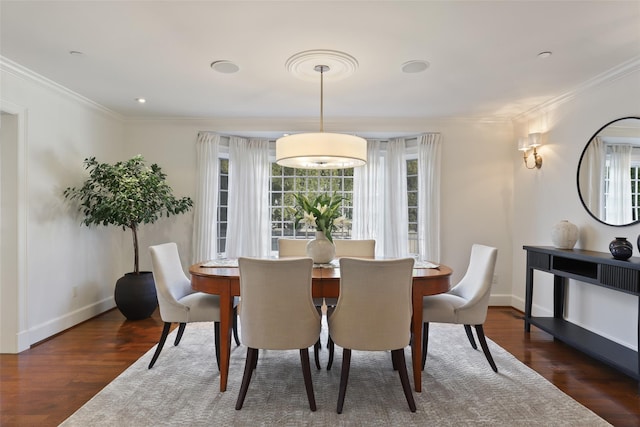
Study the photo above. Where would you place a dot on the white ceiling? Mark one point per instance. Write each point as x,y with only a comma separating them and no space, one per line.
482,54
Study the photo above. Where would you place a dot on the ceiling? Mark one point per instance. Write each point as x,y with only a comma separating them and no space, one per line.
482,55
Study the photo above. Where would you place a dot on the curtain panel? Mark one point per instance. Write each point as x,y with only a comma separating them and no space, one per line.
249,227
396,216
429,154
205,221
593,181
368,205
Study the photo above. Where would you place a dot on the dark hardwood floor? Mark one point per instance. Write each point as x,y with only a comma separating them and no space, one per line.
45,384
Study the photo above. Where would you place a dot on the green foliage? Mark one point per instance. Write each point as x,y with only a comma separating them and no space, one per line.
126,194
321,211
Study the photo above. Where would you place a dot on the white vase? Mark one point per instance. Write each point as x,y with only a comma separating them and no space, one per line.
320,249
564,235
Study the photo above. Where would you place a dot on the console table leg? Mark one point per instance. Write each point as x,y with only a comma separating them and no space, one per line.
559,292
528,298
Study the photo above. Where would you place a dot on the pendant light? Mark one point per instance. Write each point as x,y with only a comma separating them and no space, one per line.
321,150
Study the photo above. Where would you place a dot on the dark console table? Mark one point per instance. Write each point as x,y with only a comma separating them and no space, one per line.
595,268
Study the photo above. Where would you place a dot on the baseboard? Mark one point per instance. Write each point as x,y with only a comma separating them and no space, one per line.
57,325
500,300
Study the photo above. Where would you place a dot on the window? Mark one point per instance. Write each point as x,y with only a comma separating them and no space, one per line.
285,182
412,199
635,191
223,205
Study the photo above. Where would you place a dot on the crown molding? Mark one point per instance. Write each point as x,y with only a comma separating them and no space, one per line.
615,73
13,68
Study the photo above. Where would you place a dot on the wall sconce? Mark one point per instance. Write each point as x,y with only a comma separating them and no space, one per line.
531,142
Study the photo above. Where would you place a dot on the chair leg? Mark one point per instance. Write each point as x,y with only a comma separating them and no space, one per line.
485,348
252,355
163,338
255,360
216,339
316,353
319,308
180,332
306,373
331,347
235,326
329,312
344,377
425,342
467,329
398,357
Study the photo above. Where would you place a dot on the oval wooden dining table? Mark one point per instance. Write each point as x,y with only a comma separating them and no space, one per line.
225,282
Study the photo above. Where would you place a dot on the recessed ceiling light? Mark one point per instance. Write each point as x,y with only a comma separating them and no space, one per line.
415,66
226,67
141,100
544,54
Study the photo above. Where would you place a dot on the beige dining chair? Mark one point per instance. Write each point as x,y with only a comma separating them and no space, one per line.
296,248
466,303
354,248
277,313
292,248
177,301
374,314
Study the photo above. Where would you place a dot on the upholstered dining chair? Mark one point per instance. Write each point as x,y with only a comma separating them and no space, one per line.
277,313
292,248
466,303
373,314
296,248
178,302
354,248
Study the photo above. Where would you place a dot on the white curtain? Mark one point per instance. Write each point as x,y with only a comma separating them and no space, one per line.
396,217
368,203
429,196
205,221
592,173
249,227
618,202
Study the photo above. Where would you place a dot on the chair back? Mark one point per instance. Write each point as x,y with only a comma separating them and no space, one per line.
292,248
475,286
374,307
355,248
277,312
171,282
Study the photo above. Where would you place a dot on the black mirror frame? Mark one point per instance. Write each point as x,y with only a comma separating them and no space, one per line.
578,174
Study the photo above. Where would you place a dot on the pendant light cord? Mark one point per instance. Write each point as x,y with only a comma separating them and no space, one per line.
321,69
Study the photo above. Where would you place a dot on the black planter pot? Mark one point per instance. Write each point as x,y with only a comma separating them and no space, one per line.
135,295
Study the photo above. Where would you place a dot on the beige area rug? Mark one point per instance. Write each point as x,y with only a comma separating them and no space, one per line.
458,388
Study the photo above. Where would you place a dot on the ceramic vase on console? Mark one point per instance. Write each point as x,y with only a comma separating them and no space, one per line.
621,248
321,249
564,235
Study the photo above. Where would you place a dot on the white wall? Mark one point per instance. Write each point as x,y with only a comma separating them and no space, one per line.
544,197
477,168
9,236
63,258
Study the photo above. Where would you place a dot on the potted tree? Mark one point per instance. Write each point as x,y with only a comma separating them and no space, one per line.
128,194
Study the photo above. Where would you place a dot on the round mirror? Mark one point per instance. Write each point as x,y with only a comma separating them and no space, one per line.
609,173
